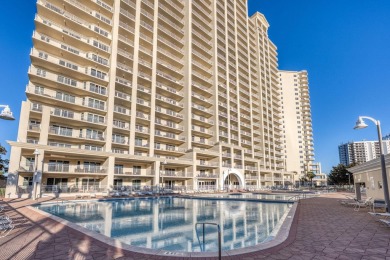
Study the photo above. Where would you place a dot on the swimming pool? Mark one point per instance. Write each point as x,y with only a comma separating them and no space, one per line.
168,223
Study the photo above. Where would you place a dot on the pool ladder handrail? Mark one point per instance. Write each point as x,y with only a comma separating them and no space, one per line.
219,236
297,197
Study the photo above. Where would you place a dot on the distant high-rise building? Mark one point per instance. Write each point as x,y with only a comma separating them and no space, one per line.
362,151
320,179
297,123
182,94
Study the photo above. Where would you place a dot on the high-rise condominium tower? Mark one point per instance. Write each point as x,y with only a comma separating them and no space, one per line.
362,151
142,92
297,124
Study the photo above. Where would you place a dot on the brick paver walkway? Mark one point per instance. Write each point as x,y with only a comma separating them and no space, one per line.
322,229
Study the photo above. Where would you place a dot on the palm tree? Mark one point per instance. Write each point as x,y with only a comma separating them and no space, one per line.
310,176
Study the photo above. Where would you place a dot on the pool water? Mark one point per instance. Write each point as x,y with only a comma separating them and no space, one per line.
261,196
168,223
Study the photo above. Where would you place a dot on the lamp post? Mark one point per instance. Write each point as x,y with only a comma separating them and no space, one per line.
349,180
360,125
35,178
6,113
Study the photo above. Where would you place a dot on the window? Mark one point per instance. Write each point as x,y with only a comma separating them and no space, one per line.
68,65
98,74
39,90
170,147
118,169
92,167
41,72
118,183
136,184
120,139
58,166
36,107
100,31
27,181
100,46
94,134
137,169
43,55
171,124
61,130
93,147
62,182
138,141
97,89
95,118
99,59
63,113
170,172
67,81
95,103
139,128
119,124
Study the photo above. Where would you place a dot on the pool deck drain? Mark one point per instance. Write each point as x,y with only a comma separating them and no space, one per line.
321,229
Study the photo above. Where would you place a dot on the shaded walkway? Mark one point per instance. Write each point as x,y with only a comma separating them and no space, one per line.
322,229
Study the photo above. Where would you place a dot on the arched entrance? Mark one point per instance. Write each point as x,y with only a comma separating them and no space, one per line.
232,179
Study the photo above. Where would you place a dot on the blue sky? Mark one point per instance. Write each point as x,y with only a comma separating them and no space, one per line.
344,45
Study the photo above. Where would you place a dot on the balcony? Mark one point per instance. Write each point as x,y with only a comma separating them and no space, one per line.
207,175
73,169
169,149
81,24
202,119
169,114
201,110
168,125
34,127
180,174
202,142
169,90
170,102
202,131
85,117
170,136
74,38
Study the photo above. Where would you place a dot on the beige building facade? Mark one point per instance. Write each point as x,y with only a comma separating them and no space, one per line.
368,177
297,123
143,93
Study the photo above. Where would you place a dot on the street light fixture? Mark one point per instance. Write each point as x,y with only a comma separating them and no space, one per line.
349,180
6,113
360,124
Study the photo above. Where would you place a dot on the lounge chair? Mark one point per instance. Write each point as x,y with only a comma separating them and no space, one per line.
125,193
348,200
115,194
360,204
385,221
379,214
5,229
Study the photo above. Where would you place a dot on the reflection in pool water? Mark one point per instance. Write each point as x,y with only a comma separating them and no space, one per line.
169,223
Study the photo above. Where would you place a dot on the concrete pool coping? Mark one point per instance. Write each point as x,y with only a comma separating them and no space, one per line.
280,237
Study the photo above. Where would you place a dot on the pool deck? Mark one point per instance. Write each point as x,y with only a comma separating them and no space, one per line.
322,229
